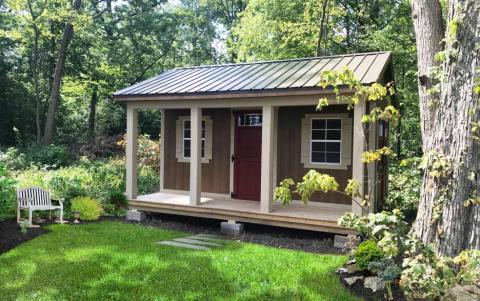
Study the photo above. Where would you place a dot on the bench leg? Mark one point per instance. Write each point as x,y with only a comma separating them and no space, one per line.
30,214
18,214
61,215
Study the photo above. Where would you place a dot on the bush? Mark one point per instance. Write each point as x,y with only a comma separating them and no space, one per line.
46,157
116,204
7,192
89,208
367,252
405,181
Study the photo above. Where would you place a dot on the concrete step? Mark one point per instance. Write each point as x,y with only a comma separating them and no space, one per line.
207,238
190,240
183,245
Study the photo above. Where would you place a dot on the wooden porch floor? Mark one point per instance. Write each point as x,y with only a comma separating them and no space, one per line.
315,216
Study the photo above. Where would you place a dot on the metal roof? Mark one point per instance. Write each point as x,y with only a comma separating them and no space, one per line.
258,76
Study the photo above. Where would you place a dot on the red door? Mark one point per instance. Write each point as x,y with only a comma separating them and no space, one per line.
247,155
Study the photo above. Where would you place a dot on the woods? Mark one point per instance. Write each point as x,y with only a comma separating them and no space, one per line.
61,61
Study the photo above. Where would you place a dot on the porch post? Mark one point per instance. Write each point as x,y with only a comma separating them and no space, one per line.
162,149
131,152
268,156
195,155
358,167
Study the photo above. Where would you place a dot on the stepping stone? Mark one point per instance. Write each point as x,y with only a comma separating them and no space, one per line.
189,240
183,245
207,235
207,238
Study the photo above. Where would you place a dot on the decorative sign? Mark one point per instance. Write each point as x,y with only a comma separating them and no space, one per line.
250,120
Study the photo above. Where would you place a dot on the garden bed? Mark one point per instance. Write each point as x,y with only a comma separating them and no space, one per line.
11,236
293,239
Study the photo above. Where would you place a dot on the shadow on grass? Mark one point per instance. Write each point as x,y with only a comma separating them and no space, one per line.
118,261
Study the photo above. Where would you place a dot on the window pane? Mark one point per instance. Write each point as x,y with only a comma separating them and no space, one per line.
203,146
318,123
186,143
318,135
186,152
318,146
333,158
334,135
334,123
318,157
333,147
186,133
186,124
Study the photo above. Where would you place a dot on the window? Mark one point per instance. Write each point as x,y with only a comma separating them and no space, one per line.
326,140
183,139
187,139
250,120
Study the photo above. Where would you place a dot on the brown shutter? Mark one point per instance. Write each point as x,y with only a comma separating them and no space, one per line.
305,143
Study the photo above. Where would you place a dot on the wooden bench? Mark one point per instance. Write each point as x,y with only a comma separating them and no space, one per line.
36,199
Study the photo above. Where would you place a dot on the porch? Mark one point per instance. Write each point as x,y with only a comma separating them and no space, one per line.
314,216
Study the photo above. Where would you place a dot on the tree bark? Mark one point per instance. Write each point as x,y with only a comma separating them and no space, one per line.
321,28
442,218
92,113
57,78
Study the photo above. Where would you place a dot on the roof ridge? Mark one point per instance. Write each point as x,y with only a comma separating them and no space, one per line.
283,60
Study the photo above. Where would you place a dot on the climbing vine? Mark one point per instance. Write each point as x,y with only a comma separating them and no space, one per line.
314,181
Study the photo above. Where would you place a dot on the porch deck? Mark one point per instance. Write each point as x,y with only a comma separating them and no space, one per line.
315,216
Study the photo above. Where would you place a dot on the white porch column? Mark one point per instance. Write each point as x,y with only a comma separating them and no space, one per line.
162,149
195,156
358,148
268,158
131,152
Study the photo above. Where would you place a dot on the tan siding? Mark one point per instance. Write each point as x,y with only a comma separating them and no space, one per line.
289,151
216,173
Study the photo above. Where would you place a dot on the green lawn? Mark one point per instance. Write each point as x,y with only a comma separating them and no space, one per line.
118,261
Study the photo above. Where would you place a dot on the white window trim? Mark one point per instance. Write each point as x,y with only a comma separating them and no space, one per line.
180,123
326,129
345,147
183,139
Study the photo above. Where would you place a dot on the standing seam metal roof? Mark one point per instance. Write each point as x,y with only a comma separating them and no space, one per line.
257,76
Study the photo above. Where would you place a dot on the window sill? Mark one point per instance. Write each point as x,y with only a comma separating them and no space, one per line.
186,160
326,166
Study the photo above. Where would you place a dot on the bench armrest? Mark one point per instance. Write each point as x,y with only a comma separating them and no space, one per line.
59,200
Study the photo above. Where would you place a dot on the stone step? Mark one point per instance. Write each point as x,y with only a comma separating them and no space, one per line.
189,240
207,238
207,235
183,245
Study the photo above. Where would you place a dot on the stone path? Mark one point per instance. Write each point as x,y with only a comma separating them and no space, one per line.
195,242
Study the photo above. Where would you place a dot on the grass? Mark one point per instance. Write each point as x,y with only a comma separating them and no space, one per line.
118,261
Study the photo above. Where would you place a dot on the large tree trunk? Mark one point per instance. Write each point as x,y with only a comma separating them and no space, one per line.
447,123
57,78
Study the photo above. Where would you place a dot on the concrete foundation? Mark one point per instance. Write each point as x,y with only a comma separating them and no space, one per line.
136,216
231,228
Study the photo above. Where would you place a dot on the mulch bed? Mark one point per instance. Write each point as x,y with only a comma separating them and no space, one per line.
10,235
309,241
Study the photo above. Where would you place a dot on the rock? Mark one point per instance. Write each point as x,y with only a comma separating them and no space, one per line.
136,216
342,271
351,280
352,269
351,261
462,293
374,283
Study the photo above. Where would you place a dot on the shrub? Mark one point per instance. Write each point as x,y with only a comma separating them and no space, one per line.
116,204
367,252
7,192
89,208
388,271
405,181
426,275
148,151
468,262
387,228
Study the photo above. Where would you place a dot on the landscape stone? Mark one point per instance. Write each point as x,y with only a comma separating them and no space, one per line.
189,240
462,293
351,280
374,283
183,245
136,216
342,271
230,228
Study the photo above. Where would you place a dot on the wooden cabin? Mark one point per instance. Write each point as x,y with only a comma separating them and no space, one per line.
230,133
